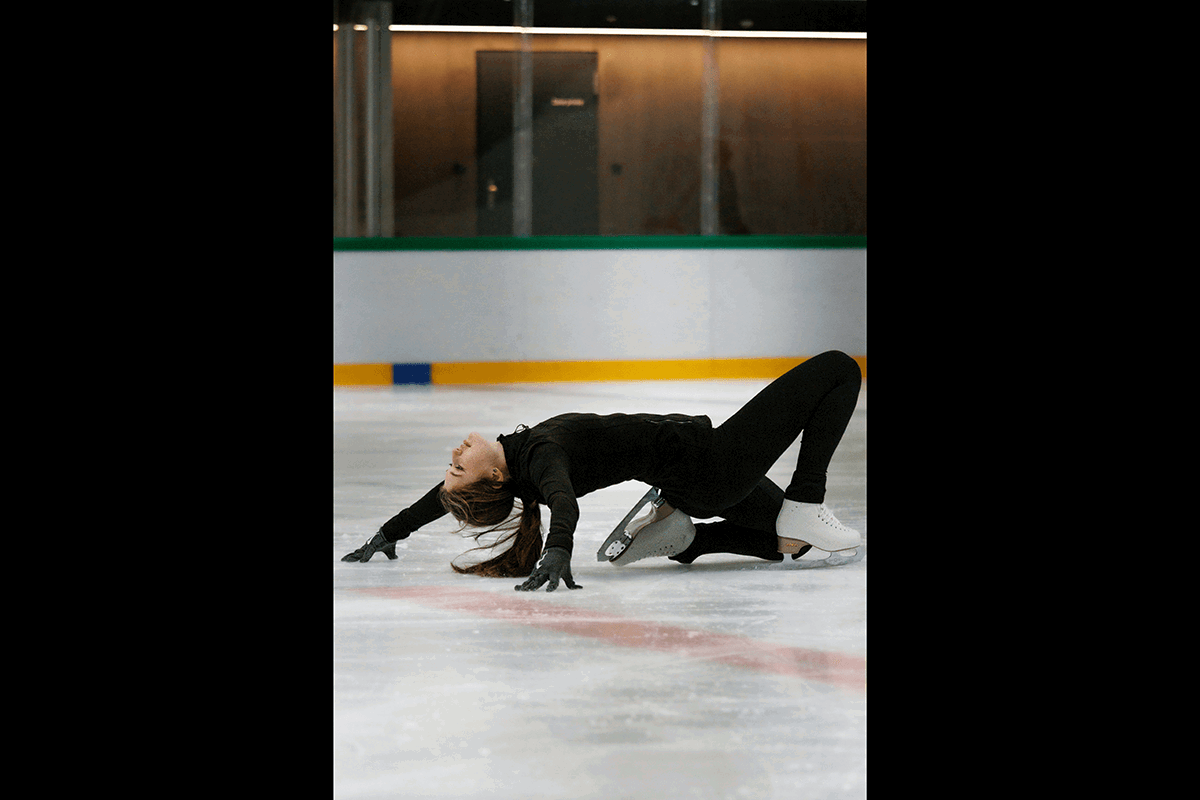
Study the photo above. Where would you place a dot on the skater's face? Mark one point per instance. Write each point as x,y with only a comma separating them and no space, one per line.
470,461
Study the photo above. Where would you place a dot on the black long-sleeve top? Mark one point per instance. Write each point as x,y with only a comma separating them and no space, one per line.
571,455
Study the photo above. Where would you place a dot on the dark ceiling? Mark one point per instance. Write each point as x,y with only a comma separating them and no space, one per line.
758,15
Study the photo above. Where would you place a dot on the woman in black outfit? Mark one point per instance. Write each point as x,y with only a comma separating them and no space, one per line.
700,471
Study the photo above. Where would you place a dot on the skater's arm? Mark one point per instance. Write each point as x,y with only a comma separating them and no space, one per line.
549,470
401,526
418,515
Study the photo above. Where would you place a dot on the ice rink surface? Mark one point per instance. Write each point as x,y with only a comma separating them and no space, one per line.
732,677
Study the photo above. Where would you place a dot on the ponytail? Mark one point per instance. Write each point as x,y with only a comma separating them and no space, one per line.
489,505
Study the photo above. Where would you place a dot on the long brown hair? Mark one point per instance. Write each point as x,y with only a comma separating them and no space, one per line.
489,505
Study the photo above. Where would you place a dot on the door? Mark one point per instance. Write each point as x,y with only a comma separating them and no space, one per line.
564,143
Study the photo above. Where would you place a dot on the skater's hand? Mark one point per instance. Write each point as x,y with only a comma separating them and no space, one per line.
374,545
554,564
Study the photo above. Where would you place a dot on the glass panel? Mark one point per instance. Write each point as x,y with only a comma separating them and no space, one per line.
640,105
793,136
497,133
434,102
362,191
648,118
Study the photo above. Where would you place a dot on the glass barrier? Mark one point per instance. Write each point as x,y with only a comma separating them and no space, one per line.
692,126
793,136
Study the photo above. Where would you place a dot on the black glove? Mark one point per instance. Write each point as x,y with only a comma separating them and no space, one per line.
554,564
374,545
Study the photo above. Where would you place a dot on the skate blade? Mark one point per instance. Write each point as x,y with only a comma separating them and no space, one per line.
618,533
616,548
675,537
796,545
833,559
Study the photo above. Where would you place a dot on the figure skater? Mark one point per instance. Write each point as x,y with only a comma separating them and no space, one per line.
697,471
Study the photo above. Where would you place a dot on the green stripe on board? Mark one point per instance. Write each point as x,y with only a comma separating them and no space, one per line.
600,243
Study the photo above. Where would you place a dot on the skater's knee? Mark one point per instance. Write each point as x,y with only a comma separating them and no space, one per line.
844,366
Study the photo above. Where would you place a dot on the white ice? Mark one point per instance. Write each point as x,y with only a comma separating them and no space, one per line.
656,680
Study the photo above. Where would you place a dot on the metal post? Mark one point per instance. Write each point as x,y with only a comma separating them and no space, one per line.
387,175
378,168
523,122
346,206
371,129
710,223
363,206
337,140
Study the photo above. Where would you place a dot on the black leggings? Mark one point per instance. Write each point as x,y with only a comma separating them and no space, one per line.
816,397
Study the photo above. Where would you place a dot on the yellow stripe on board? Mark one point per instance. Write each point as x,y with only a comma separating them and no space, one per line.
362,374
487,372
553,371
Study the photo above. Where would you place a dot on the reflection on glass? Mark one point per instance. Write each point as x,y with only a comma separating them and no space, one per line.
793,121
614,139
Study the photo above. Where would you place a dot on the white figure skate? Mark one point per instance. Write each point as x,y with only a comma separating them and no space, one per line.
645,536
813,523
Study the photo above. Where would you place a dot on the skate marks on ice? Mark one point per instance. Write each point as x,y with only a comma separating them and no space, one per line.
838,559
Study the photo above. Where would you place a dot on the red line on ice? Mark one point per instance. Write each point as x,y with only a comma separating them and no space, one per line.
840,669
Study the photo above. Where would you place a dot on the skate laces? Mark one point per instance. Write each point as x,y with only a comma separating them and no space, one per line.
826,516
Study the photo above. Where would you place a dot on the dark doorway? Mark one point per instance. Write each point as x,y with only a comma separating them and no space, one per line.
564,143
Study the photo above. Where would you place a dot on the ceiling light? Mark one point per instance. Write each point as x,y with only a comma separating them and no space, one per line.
628,32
